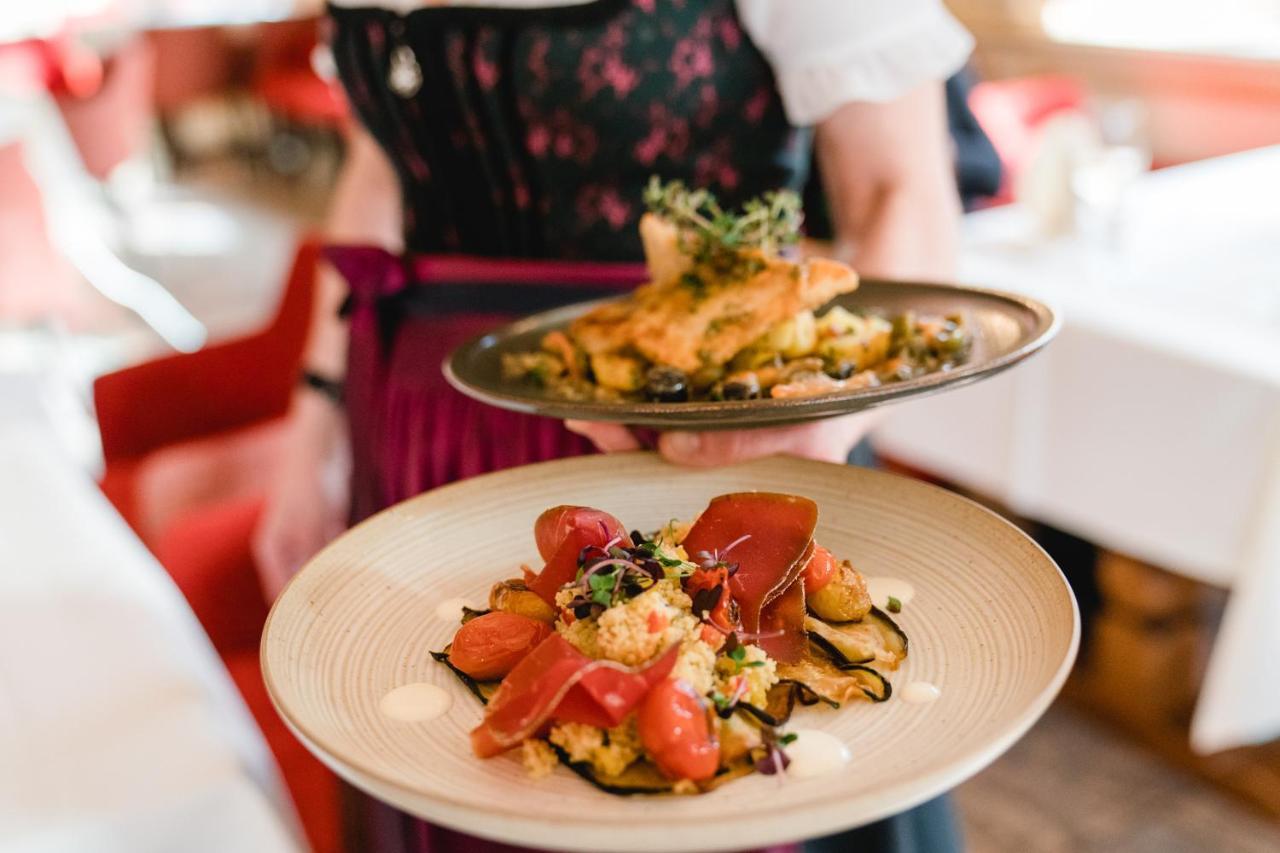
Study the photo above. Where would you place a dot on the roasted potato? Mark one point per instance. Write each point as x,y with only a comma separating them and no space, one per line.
619,372
844,599
512,596
794,338
867,344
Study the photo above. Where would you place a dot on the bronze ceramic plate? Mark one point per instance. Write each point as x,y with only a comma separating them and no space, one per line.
1007,328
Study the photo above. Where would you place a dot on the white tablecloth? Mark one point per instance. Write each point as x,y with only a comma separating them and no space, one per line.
1152,425
119,728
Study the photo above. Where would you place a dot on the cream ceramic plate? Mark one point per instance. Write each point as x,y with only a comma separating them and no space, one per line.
993,624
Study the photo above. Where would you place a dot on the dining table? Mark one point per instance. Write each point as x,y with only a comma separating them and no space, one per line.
1151,426
120,730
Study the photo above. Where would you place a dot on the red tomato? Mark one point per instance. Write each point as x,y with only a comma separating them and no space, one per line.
673,726
820,569
555,525
723,614
489,646
566,530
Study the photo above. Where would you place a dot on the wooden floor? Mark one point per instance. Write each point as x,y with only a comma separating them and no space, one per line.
1073,784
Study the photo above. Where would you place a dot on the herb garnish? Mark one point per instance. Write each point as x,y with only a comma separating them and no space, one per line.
738,654
715,237
894,605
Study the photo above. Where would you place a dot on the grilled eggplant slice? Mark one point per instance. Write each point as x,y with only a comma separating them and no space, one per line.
469,613
482,690
874,639
643,777
837,683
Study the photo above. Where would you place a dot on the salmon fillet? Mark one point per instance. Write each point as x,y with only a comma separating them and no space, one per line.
695,320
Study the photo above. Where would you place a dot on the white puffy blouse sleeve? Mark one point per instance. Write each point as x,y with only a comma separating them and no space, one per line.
826,53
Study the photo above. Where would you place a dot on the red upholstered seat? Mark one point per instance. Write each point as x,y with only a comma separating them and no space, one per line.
184,440
1012,113
206,551
286,82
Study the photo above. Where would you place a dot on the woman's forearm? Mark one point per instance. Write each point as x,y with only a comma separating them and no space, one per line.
365,210
891,185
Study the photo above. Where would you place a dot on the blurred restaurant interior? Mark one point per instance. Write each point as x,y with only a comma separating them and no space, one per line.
165,171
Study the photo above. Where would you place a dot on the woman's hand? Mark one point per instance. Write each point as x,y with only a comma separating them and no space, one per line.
826,440
307,504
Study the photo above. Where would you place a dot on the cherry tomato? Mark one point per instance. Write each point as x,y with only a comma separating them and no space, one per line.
725,612
554,526
565,531
673,726
820,569
490,646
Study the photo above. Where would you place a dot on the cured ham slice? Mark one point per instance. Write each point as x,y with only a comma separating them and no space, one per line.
782,631
561,533
779,535
556,681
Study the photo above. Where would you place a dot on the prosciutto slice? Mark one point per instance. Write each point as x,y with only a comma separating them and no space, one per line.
556,681
770,561
782,631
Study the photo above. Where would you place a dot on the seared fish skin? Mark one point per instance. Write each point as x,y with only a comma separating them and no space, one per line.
703,318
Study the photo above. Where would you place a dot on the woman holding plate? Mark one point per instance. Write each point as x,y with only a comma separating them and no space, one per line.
498,132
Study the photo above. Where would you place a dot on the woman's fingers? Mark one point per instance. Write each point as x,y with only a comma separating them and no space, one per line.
610,438
828,441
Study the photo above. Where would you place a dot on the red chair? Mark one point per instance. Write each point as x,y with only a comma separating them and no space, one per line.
187,440
287,83
1012,113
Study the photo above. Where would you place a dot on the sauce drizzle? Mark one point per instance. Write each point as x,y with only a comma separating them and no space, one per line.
415,703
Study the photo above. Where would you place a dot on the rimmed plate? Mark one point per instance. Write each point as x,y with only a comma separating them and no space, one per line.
1008,328
993,624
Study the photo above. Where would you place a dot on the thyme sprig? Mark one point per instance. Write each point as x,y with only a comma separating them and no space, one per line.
713,236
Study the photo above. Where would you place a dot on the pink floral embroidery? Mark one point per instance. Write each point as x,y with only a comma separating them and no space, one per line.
754,110
716,167
596,203
644,5
538,140
563,137
614,210
520,195
708,106
729,31
602,65
668,136
691,57
537,63
487,71
690,60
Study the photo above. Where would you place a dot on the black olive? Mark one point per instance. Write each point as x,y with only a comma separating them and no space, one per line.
666,385
844,370
743,387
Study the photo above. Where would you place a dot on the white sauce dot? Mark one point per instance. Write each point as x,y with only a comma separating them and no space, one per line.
415,703
920,693
881,588
450,610
815,753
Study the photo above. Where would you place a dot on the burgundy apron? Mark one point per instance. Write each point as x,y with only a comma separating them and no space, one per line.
410,430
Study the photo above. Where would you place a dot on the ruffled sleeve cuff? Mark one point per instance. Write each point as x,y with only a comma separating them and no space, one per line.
850,55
